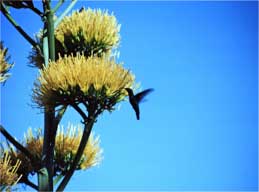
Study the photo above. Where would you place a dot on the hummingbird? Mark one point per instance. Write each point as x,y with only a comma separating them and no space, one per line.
136,99
82,9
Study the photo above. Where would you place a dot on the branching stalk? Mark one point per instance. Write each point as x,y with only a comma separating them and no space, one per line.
79,110
31,184
35,10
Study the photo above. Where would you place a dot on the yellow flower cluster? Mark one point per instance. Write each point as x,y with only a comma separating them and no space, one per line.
70,80
66,144
93,26
8,175
4,66
88,32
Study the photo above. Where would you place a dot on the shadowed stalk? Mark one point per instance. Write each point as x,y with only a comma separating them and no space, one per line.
46,175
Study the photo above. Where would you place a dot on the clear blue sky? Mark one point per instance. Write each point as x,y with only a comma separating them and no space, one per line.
198,130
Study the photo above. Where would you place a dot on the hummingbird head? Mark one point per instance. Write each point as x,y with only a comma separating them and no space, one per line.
129,90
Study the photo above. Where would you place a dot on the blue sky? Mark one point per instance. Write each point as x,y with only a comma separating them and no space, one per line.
198,130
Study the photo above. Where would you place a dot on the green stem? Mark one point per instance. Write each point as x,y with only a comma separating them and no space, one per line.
71,5
60,2
18,28
50,115
50,31
45,48
86,133
46,173
48,151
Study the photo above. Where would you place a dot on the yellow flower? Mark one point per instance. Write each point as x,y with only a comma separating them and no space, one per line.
89,28
89,32
8,175
66,144
4,66
78,79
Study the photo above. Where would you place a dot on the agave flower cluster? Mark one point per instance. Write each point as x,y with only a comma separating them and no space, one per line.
82,80
80,74
4,65
66,144
8,171
93,30
90,32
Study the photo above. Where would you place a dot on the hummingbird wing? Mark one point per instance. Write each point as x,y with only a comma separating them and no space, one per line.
139,97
